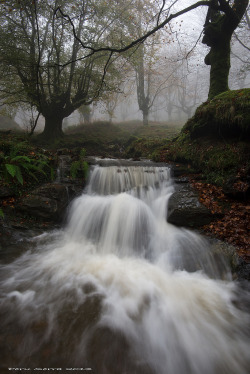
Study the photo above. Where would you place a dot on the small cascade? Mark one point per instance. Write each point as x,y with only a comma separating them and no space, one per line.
63,169
117,179
120,290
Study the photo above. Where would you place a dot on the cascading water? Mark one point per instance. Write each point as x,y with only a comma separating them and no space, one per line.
122,291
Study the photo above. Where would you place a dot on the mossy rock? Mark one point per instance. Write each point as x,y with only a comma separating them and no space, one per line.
227,115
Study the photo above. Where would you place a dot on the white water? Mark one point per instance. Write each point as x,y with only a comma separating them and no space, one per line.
122,291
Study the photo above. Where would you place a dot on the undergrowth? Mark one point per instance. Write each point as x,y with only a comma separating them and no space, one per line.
22,166
216,160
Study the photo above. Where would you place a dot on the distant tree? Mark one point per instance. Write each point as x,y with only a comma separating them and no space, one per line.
188,91
241,52
144,57
110,101
85,112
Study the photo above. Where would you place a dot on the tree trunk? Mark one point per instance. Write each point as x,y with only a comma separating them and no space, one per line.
145,117
110,118
86,117
169,111
53,129
219,60
218,30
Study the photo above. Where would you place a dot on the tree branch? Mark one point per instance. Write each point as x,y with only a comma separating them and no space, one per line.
236,36
140,39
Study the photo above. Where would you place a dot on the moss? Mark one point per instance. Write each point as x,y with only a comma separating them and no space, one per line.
219,59
217,160
147,148
227,115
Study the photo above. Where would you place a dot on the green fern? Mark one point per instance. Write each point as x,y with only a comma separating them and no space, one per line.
14,171
13,165
80,167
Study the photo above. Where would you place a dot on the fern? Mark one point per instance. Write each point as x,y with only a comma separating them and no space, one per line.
14,171
79,167
14,165
11,169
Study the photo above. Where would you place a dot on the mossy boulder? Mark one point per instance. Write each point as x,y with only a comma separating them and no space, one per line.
49,201
227,115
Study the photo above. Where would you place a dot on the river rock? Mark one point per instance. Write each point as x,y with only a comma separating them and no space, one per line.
49,201
184,208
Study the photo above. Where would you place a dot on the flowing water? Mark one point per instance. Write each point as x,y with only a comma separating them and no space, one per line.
120,290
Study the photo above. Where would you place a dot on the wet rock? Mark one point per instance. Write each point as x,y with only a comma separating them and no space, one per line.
181,180
227,252
184,209
63,170
243,270
49,201
181,170
14,241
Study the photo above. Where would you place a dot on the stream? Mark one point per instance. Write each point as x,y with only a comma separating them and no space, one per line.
118,290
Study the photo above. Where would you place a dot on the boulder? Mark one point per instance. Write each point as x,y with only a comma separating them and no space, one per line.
49,201
184,208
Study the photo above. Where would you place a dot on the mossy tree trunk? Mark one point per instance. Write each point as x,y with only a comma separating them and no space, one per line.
219,60
218,30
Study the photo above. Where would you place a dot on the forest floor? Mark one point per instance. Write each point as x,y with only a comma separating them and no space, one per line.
209,168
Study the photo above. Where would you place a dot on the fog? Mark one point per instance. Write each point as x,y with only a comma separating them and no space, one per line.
178,72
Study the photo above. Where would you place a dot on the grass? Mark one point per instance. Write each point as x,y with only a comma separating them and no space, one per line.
123,140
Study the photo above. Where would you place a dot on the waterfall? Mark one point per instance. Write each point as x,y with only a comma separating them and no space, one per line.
120,290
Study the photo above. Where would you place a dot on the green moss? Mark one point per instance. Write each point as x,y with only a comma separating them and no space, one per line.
146,148
227,115
216,160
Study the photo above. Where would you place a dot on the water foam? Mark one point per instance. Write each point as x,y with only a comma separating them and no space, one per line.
121,290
